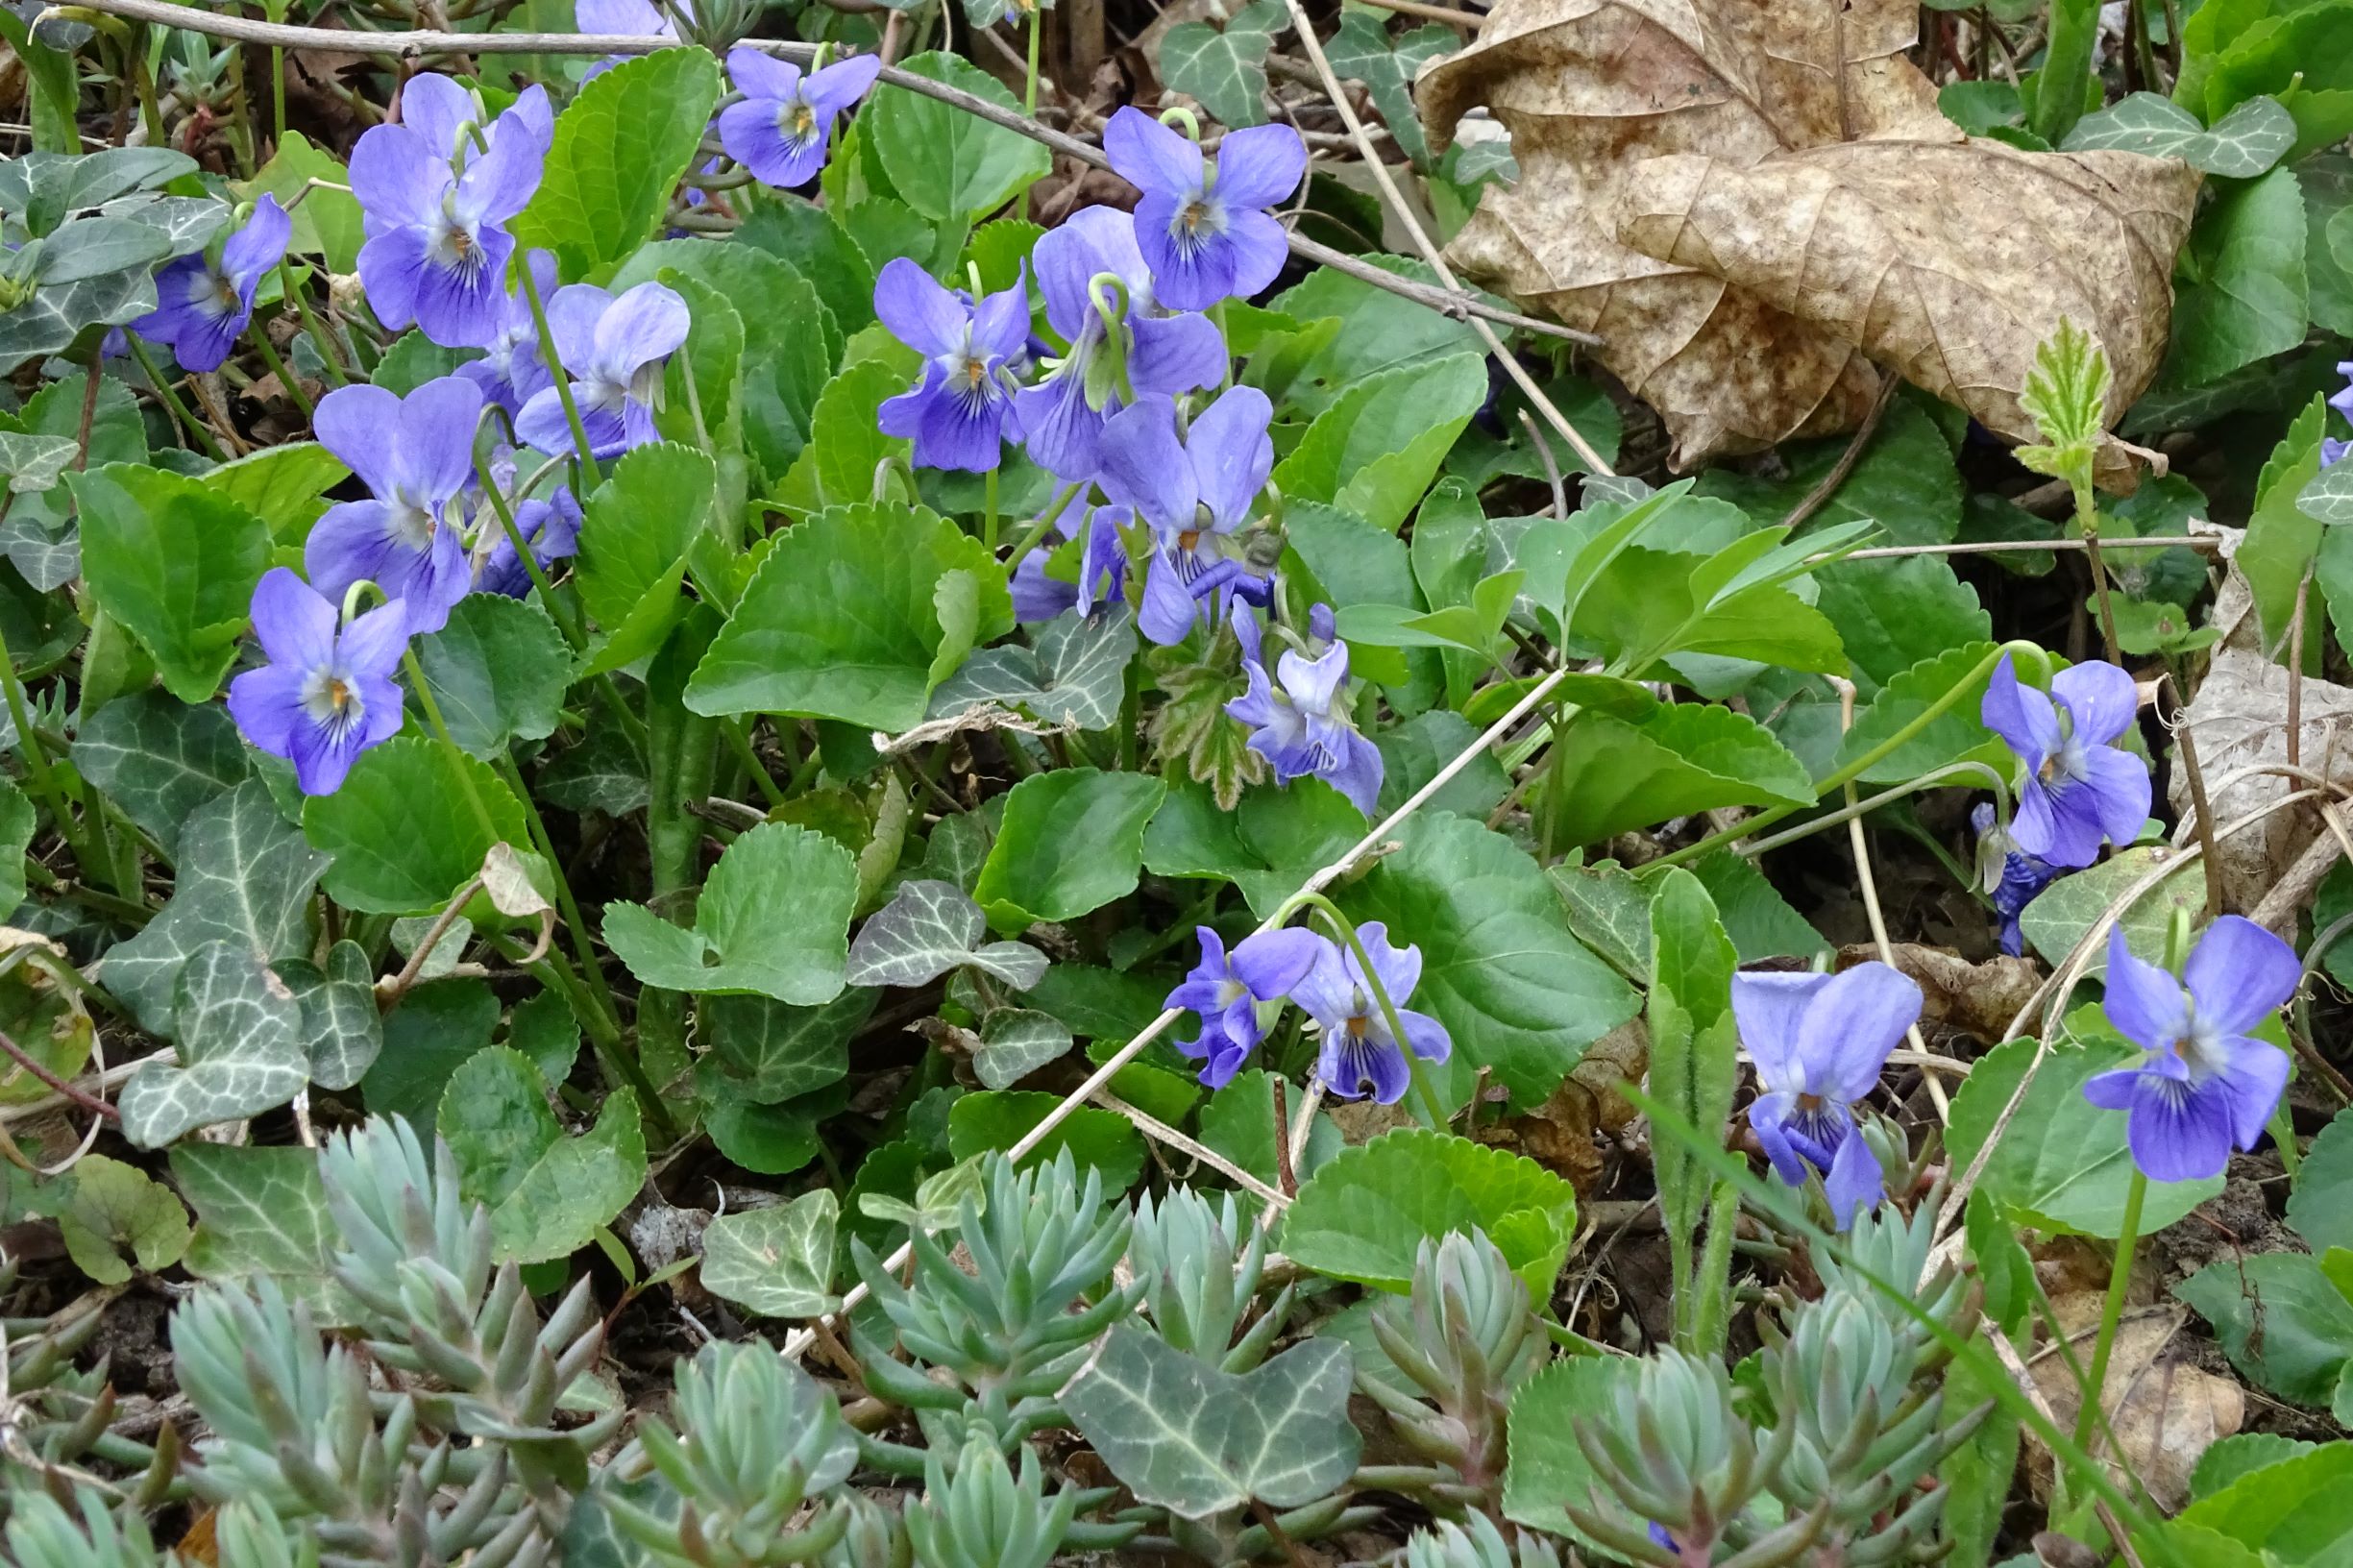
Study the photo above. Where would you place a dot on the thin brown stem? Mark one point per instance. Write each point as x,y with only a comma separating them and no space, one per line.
57,1085
1818,497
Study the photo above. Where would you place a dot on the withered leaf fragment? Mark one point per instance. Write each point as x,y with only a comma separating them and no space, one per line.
1757,205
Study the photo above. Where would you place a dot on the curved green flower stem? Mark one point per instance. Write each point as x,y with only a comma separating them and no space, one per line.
330,352
1838,778
182,420
37,762
1029,82
1426,1106
504,766
2111,1310
277,368
1039,529
1870,804
555,368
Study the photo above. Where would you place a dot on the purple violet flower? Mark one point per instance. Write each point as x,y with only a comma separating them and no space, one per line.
511,371
440,108
1300,717
415,455
435,211
326,695
1819,1042
2079,788
2333,450
958,413
614,351
1225,989
626,18
203,304
1117,351
2343,401
1203,228
2013,877
2205,1087
1359,1047
1102,573
1194,491
552,527
779,130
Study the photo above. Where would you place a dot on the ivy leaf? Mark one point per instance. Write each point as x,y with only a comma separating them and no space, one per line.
2061,1162
1198,1441
117,1209
262,1213
160,759
929,928
634,533
498,672
176,562
548,1194
1072,841
950,165
1366,1214
1015,1041
1225,71
245,876
2242,145
2329,496
1076,673
841,620
770,1053
1515,991
773,920
619,150
776,1261
342,1030
34,463
240,1049
2057,920
404,830
1363,50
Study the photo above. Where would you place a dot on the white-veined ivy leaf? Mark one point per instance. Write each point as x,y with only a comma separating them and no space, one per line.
1363,49
261,1213
117,1210
245,876
773,920
1076,673
2061,1162
404,829
34,462
342,1030
605,771
1225,69
1517,992
1015,1041
2060,916
498,672
769,1051
1198,1440
2330,497
160,759
2240,145
548,1192
240,1049
776,1261
938,1198
929,928
1364,1215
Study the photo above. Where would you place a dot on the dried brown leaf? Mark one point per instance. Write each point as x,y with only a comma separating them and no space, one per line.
1748,226
2164,1412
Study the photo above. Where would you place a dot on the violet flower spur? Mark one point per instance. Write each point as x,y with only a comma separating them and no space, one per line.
1300,717
2205,1087
1224,989
511,370
204,304
1098,297
958,413
2079,788
1102,573
1359,1047
780,130
2012,877
1193,491
613,351
415,455
327,694
1819,1042
1203,228
437,249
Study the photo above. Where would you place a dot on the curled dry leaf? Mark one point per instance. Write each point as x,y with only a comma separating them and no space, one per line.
1959,997
1754,204
2164,1412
